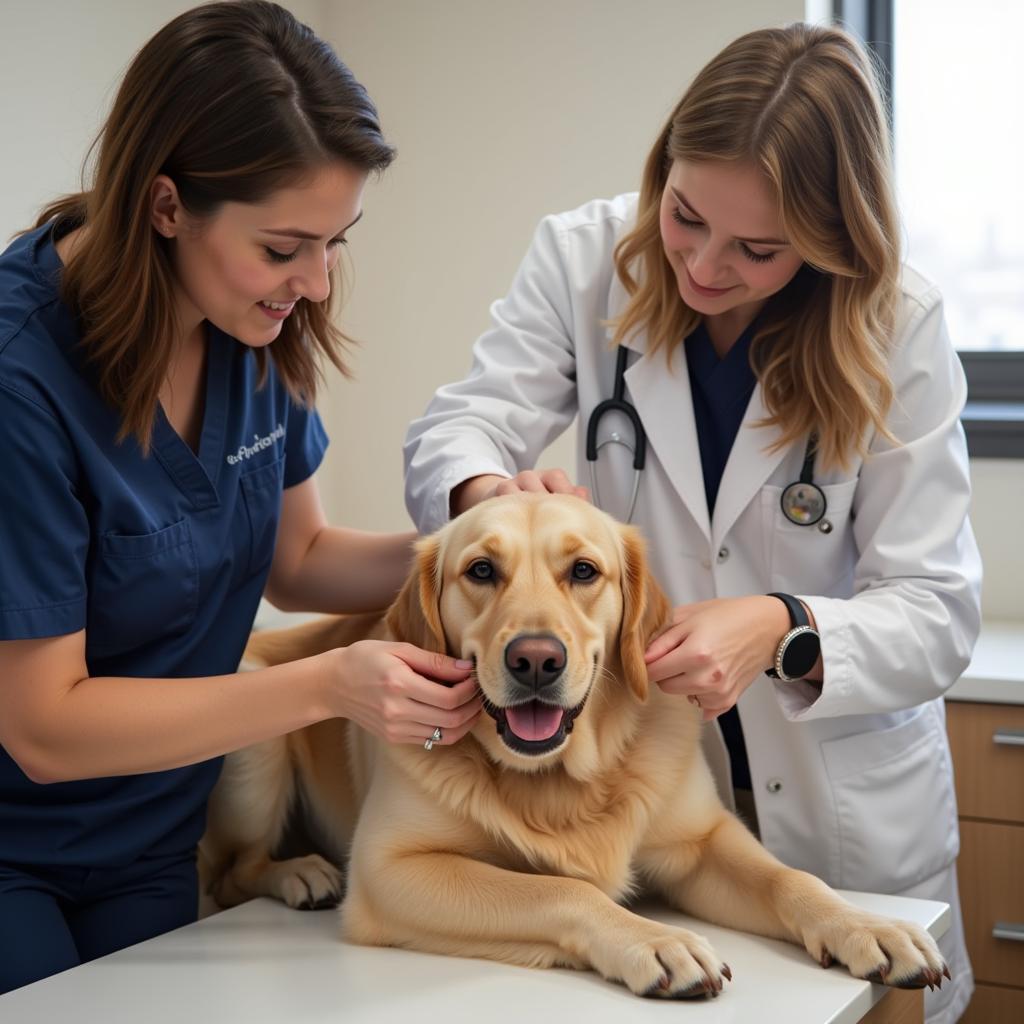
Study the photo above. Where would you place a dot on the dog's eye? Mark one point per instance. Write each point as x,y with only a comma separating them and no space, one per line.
481,570
584,572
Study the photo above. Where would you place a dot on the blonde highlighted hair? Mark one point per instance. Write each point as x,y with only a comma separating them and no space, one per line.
803,105
232,101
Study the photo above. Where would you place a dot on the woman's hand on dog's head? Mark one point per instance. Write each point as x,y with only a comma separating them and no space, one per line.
536,481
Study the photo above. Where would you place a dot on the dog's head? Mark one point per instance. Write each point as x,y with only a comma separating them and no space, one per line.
553,602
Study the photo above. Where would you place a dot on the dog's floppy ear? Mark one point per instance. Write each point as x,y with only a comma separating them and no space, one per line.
415,615
645,608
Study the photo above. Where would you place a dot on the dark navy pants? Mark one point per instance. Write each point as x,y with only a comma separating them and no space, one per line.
54,918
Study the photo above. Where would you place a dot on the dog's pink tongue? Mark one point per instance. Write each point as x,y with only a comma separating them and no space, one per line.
534,721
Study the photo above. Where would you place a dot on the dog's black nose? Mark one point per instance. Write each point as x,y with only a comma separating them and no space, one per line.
535,661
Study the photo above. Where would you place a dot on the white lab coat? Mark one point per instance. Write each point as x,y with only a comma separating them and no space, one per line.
852,782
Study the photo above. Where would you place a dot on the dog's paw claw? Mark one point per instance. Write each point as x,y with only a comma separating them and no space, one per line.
328,902
700,989
925,978
879,974
659,988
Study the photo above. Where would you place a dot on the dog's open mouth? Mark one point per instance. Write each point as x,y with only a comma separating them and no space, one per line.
534,722
533,727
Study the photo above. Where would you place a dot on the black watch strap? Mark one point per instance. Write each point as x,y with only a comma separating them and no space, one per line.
800,648
797,614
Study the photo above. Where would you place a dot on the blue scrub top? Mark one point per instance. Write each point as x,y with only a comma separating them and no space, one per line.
162,559
721,390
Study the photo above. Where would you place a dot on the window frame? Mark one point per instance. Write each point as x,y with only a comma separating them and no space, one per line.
993,417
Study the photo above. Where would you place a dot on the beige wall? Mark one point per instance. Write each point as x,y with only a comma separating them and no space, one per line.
997,512
60,64
502,112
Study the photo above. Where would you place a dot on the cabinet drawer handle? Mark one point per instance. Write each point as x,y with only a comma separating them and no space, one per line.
1009,737
1006,930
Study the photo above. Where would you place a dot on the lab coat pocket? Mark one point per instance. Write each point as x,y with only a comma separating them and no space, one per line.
261,494
894,800
142,587
816,559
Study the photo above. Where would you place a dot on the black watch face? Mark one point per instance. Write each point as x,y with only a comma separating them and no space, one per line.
801,654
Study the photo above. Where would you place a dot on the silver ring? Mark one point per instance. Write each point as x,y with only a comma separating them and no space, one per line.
435,737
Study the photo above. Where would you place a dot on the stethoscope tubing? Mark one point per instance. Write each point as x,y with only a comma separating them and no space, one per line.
618,403
802,502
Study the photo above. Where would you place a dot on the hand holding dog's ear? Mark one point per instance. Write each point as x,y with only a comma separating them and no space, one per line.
644,610
402,693
713,650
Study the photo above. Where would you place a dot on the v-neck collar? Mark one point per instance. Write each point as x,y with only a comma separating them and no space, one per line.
709,366
195,473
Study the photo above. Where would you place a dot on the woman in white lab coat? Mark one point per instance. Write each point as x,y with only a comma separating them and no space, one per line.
765,235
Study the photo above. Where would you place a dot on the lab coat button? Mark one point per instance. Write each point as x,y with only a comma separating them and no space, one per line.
723,555
773,785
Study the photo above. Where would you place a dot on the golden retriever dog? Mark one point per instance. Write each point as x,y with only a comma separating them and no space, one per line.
580,787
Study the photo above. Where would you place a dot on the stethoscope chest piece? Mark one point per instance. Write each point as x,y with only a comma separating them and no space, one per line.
803,503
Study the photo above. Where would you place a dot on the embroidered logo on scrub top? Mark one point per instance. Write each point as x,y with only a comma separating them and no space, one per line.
247,451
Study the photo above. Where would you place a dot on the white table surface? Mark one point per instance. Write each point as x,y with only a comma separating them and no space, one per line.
262,963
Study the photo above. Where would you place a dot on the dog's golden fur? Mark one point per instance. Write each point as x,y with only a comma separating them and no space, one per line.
523,850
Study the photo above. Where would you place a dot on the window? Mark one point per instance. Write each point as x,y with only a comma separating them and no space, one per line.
951,80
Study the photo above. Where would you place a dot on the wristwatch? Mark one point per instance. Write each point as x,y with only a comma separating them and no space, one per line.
799,649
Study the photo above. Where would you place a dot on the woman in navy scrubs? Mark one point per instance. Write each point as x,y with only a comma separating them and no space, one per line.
159,337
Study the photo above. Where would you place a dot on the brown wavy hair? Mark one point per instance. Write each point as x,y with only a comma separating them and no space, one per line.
232,101
803,105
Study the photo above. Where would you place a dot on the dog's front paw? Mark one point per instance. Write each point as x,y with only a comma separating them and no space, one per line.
880,949
307,883
661,961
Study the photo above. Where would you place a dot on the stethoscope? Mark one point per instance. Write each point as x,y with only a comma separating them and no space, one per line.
617,403
803,502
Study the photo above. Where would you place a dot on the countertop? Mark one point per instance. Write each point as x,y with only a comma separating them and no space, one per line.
996,672
262,963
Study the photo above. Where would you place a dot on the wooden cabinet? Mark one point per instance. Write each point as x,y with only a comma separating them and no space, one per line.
987,741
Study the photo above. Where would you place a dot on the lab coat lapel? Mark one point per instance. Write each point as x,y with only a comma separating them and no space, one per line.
661,394
748,467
